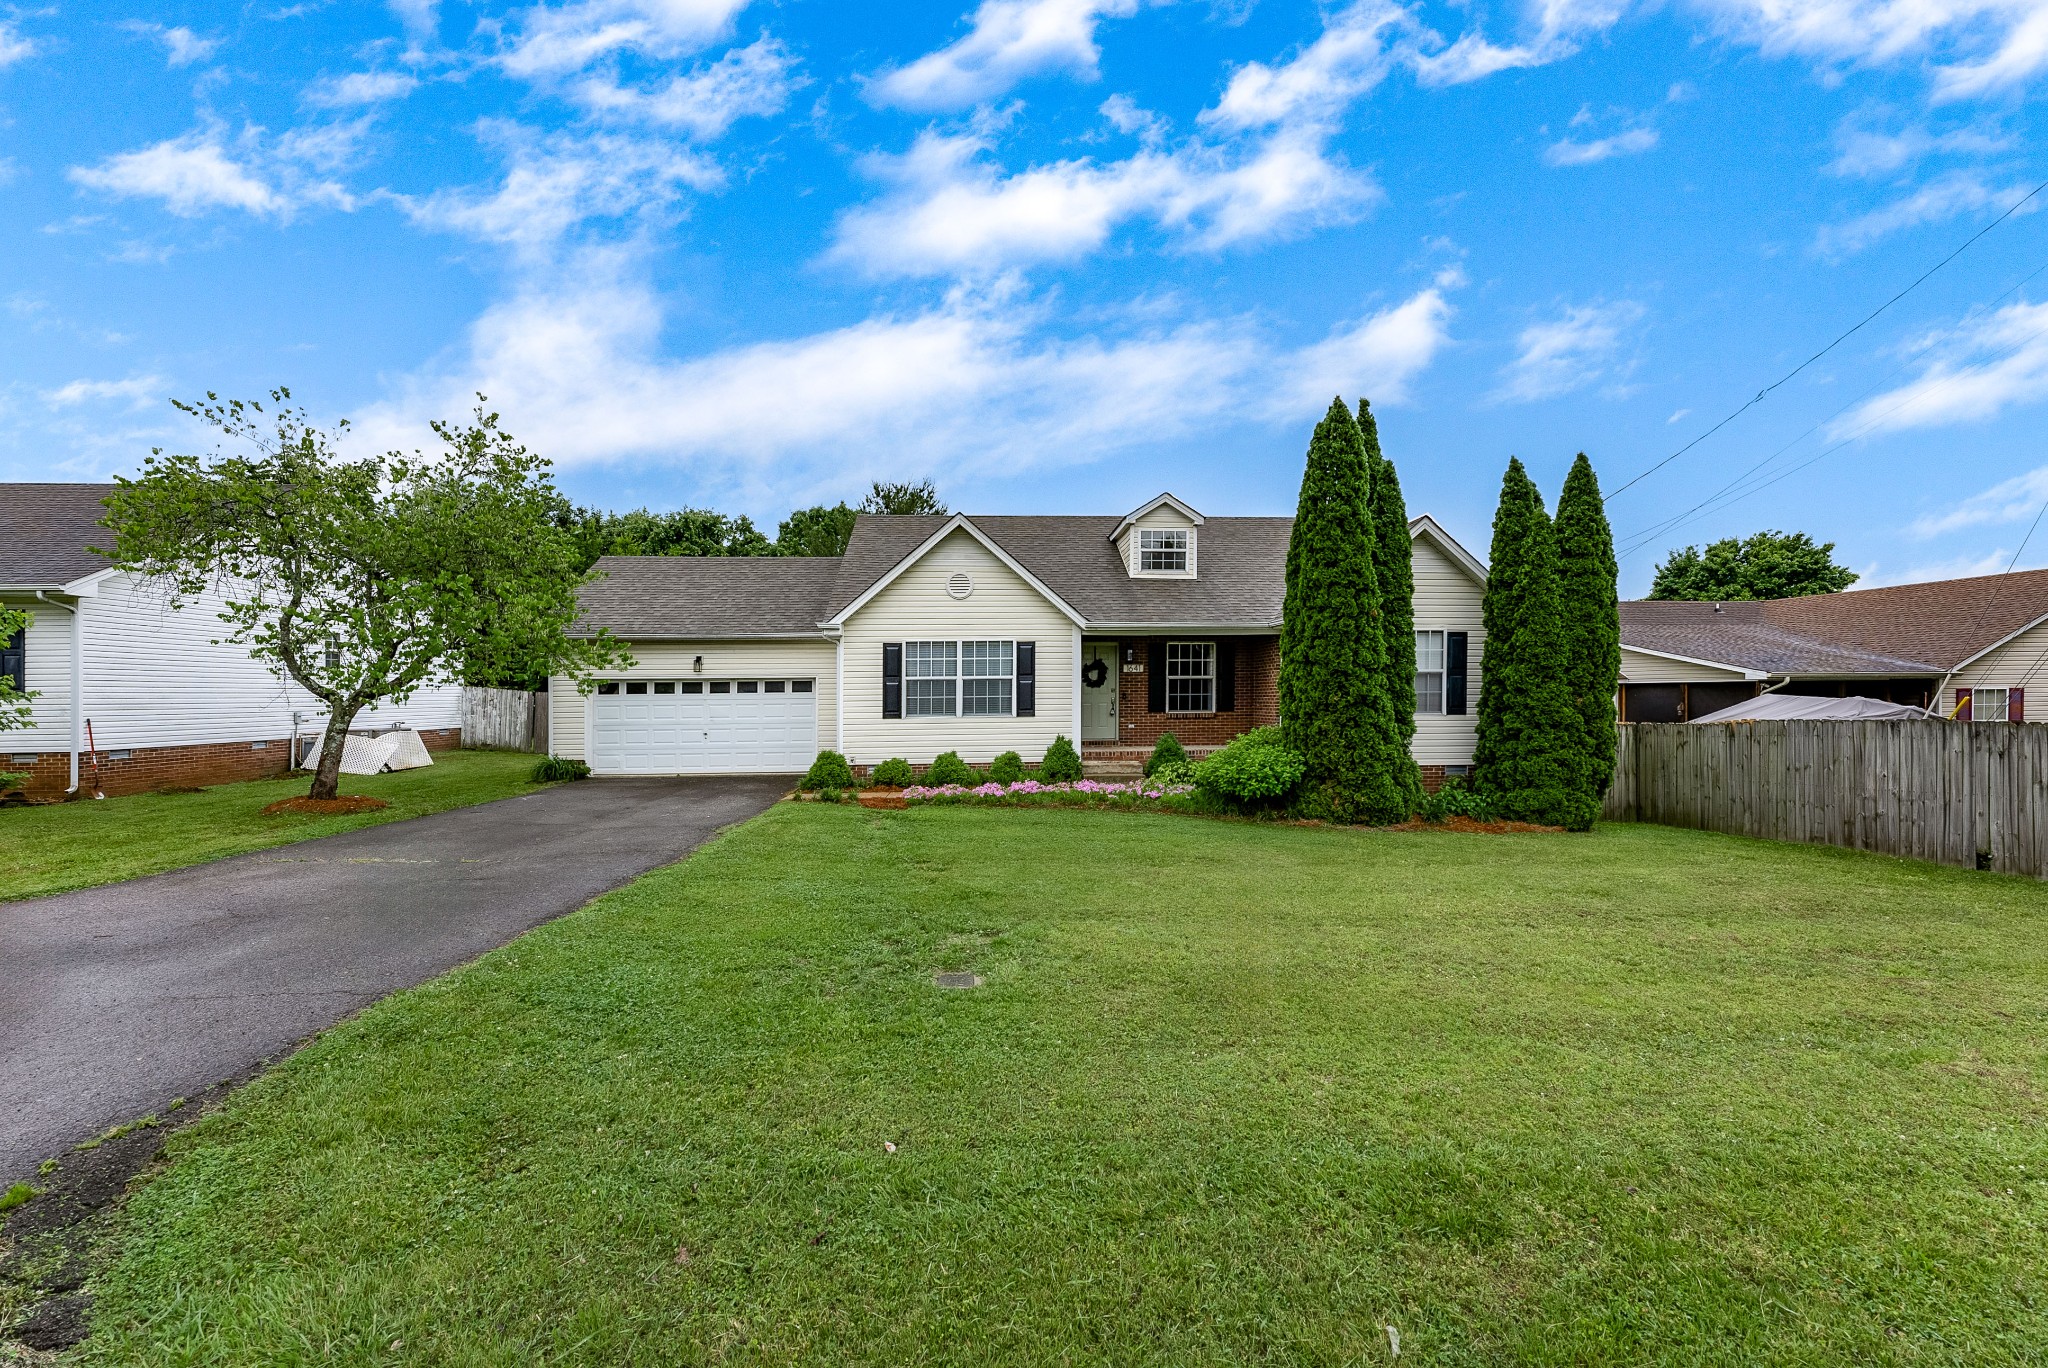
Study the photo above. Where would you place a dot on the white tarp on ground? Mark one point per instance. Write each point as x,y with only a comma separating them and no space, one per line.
399,749
1776,707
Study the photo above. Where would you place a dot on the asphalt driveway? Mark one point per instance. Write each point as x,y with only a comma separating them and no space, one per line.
115,1000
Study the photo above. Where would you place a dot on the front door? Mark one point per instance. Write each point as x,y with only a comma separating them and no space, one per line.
1099,683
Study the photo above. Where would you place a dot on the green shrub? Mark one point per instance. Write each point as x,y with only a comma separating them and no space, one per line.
1062,763
828,771
1181,771
1455,798
894,773
1255,770
833,795
554,769
1007,768
1167,750
950,769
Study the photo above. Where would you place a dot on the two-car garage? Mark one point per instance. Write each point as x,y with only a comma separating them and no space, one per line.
704,726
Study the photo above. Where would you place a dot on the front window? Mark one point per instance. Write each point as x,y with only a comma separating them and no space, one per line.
1990,705
1163,551
1429,672
1191,676
930,670
987,670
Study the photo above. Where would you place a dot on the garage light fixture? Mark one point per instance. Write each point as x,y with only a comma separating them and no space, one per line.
698,664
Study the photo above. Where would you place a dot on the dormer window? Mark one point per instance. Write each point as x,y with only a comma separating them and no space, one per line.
1163,552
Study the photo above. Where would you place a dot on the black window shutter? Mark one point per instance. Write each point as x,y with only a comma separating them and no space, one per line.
1226,675
1454,671
892,679
14,659
1155,675
1027,679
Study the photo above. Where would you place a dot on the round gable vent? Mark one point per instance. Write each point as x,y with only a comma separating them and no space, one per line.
960,586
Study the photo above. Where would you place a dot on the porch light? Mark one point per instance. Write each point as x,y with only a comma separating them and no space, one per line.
698,664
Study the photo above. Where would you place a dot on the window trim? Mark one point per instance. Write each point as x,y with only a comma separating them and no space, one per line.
1210,678
960,677
2004,702
1442,673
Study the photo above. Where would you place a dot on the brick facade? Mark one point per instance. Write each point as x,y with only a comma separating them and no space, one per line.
162,767
1258,698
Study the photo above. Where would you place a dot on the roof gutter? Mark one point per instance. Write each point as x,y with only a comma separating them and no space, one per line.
77,681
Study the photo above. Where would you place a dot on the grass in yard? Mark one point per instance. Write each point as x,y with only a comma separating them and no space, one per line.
1230,1093
58,846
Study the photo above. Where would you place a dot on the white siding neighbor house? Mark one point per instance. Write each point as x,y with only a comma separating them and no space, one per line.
167,706
981,635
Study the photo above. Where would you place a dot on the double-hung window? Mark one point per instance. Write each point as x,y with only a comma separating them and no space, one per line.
1990,705
987,673
1191,676
931,682
1429,672
1163,552
14,659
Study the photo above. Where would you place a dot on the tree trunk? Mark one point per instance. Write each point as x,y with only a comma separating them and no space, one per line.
327,775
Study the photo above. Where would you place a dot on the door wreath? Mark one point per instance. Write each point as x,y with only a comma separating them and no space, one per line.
1095,673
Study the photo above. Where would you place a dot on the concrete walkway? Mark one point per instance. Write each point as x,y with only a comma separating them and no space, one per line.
115,1000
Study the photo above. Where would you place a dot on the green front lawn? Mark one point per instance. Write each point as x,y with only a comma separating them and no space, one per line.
1231,1093
76,845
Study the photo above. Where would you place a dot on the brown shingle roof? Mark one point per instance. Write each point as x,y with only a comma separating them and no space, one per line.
45,530
1907,629
709,596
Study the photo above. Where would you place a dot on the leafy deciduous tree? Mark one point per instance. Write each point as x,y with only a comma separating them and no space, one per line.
922,497
1394,566
1333,699
816,531
1586,572
367,579
1765,565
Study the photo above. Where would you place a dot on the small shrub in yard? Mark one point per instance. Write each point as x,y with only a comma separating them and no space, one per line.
828,771
554,769
1007,768
1174,772
1455,798
893,773
950,769
1256,770
1166,751
1062,763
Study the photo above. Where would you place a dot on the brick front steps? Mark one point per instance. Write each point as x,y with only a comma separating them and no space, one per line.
1124,762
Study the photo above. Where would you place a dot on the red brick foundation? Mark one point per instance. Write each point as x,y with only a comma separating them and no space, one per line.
163,767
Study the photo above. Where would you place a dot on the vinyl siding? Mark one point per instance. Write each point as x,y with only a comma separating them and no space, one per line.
1449,600
154,677
917,607
1166,517
2020,663
569,710
1638,667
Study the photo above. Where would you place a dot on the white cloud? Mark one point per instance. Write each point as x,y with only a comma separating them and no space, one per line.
1559,27
2008,501
13,47
556,183
753,80
137,391
361,88
1350,57
1958,567
1567,353
1010,40
1866,153
190,175
1972,372
1375,358
1627,143
953,212
183,45
552,40
1946,197
420,17
1990,45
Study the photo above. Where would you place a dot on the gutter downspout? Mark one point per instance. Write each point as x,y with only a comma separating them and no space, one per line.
77,683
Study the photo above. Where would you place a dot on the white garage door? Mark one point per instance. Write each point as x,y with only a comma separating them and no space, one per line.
704,726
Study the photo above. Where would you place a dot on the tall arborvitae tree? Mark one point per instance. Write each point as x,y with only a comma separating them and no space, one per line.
1586,572
1333,698
1394,566
1529,762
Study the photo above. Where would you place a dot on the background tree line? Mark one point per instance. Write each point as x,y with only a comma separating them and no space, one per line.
820,530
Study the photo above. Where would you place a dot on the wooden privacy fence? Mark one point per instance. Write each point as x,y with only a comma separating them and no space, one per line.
504,719
1974,796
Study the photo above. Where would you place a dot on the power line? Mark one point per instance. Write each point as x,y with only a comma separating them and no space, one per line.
1859,326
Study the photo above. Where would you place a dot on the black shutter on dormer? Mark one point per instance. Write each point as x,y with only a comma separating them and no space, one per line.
1155,675
1027,679
892,679
1226,675
1456,644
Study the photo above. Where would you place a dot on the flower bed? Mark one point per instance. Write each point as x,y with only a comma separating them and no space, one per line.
1031,791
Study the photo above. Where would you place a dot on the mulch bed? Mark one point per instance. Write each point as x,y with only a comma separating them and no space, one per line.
343,806
882,798
1467,827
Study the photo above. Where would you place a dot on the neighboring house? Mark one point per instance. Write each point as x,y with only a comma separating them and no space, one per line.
168,706
981,635
1963,648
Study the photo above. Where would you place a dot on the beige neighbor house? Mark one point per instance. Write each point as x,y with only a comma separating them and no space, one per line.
1963,648
981,635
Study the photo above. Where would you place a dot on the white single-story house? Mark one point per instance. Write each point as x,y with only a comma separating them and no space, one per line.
1967,649
168,707
981,635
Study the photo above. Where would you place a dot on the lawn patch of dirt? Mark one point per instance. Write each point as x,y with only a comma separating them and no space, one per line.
1466,826
346,805
883,798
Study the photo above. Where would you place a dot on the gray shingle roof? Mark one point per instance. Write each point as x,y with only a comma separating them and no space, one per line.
44,530
1754,636
709,596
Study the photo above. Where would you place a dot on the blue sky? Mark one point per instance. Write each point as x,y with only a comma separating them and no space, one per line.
1058,255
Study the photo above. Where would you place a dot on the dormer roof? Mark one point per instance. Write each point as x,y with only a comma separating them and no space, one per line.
1161,501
